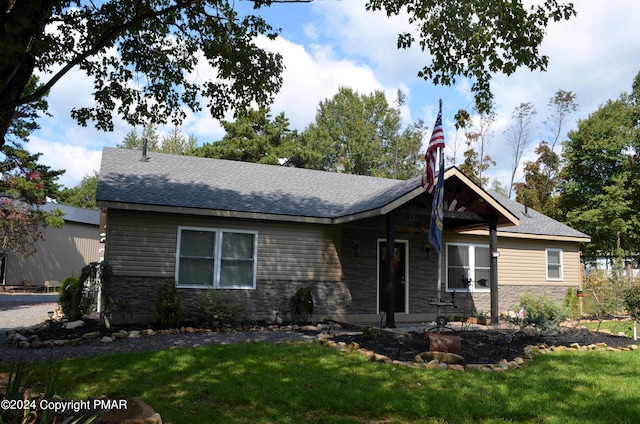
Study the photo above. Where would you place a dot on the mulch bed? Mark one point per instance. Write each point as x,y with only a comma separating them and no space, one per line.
478,346
484,346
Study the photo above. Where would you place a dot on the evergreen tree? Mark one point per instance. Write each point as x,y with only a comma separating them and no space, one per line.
254,137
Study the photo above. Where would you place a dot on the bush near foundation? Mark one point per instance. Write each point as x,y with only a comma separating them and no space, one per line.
167,305
221,310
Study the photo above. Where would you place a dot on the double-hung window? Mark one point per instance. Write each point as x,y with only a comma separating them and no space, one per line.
468,267
216,258
554,264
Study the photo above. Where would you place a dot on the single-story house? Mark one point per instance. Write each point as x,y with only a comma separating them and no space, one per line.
264,230
60,253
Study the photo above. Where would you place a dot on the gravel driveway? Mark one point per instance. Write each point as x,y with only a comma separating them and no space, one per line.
24,310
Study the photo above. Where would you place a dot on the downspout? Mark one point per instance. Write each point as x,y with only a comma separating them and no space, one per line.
493,267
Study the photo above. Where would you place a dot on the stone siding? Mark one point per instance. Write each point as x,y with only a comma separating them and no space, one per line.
330,298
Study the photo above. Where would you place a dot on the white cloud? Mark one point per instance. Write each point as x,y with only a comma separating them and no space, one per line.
313,76
78,161
337,44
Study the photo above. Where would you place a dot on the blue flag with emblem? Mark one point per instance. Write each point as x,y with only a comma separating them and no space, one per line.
437,206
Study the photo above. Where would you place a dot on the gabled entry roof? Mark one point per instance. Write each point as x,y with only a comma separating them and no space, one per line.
201,186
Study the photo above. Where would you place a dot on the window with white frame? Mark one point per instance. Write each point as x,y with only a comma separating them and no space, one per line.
468,267
554,264
216,258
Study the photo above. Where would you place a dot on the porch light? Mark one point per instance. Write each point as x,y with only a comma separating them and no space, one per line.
356,247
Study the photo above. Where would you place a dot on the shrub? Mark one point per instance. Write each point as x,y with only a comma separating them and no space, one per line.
221,310
369,333
539,311
167,305
301,304
632,301
70,298
572,303
604,294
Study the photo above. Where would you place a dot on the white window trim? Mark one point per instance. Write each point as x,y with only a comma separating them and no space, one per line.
561,264
472,259
215,284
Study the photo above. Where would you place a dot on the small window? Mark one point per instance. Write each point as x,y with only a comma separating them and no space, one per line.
213,258
468,267
554,264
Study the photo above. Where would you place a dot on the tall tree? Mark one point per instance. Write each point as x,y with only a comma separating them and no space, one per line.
475,165
361,134
540,181
562,106
83,195
600,179
254,137
175,143
476,39
478,136
134,141
519,136
541,177
24,186
172,143
141,53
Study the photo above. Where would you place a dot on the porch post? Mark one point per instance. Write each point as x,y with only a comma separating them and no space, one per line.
493,267
391,273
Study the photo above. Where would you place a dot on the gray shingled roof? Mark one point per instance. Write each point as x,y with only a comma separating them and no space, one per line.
193,182
213,184
533,222
74,214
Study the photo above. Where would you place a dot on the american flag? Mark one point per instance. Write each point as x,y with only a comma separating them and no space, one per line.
437,141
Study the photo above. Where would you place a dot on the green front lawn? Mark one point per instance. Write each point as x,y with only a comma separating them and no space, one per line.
615,326
295,383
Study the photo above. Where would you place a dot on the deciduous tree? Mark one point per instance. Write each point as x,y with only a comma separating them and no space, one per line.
478,135
519,136
541,177
83,195
362,134
24,186
143,54
600,192
475,39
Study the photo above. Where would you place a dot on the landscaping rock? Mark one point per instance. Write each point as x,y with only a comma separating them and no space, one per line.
73,324
91,335
444,357
137,412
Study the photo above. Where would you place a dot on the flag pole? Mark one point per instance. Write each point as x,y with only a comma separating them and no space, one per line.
441,164
439,283
435,186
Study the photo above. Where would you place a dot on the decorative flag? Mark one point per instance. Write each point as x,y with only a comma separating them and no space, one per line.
437,212
436,142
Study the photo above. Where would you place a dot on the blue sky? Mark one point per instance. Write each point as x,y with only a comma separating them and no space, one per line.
327,44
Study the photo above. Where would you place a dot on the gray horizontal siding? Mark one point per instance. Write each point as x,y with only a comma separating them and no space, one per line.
143,244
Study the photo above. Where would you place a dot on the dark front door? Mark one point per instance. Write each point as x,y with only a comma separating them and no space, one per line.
400,267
